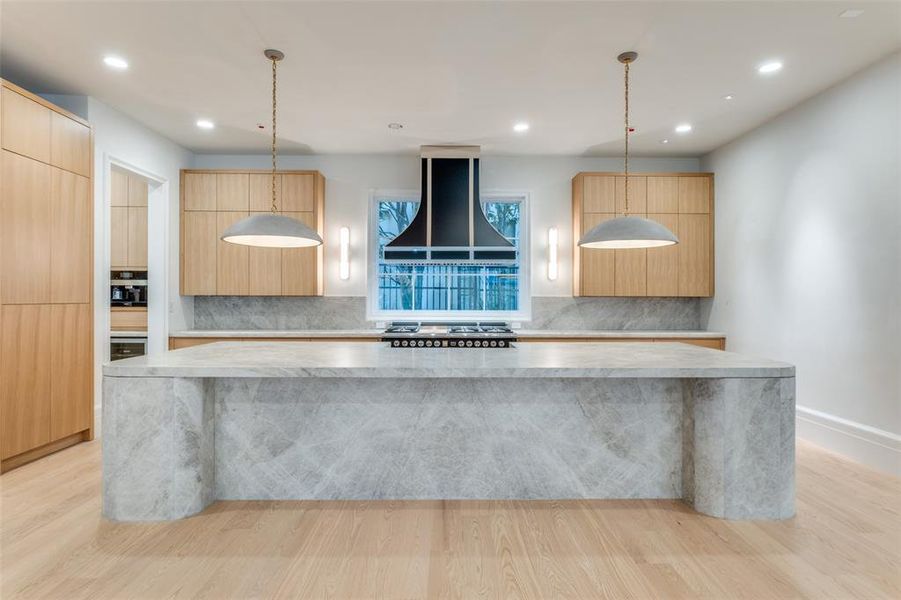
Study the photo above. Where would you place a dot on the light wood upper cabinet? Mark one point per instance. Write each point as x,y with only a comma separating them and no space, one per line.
25,125
70,144
128,221
210,266
70,235
118,187
681,202
25,230
119,237
72,369
137,238
137,191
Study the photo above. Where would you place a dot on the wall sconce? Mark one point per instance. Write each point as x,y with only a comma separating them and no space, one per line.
344,260
552,253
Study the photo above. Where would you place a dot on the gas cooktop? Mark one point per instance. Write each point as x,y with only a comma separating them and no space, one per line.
449,335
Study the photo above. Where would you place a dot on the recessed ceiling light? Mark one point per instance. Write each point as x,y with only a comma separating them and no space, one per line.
683,128
769,67
521,127
664,141
395,126
115,62
851,13
729,97
205,124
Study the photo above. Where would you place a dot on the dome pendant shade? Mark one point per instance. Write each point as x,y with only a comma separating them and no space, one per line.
271,231
628,232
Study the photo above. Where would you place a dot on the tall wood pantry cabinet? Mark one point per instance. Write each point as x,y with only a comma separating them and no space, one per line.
46,270
211,201
683,202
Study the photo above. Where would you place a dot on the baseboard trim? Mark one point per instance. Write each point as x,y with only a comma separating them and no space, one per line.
873,447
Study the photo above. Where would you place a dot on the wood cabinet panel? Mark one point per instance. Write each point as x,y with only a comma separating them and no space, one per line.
663,263
232,191
137,191
119,237
118,187
265,270
71,238
261,191
70,144
298,192
71,368
25,230
663,194
300,266
137,237
695,255
694,194
128,319
630,274
598,194
199,242
638,195
25,126
597,265
232,261
199,191
24,377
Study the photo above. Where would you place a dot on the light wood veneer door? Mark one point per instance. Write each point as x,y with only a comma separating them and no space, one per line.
232,191
200,191
598,265
631,266
25,126
298,192
695,255
663,195
25,230
694,195
137,237
24,377
71,370
300,273
598,194
137,191
70,237
199,249
119,182
70,144
261,192
232,261
119,237
663,263
265,270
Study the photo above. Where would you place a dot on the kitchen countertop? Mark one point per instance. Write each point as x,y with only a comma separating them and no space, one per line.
523,333
354,360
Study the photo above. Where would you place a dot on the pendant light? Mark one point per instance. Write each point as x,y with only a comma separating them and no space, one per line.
272,230
627,231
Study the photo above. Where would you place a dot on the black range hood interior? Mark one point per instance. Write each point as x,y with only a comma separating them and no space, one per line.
450,224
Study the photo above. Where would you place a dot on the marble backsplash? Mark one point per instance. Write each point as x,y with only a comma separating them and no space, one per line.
349,312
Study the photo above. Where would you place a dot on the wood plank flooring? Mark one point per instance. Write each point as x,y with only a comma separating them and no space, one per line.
844,543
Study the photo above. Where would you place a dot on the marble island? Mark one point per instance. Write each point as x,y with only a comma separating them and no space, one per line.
343,420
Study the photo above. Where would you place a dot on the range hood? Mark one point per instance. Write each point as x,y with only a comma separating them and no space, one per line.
450,225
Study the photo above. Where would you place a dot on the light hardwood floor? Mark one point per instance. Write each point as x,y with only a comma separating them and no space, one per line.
844,543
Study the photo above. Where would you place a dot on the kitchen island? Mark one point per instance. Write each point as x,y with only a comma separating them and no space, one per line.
343,420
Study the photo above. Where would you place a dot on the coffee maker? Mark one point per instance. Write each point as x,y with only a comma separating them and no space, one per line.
128,288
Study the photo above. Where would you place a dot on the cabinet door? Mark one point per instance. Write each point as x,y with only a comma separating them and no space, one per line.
24,231
137,237
70,144
71,370
694,194
638,195
232,266
300,266
25,126
231,191
695,255
597,264
137,191
598,194
199,253
200,191
119,237
261,192
630,273
70,237
24,377
298,192
663,263
118,188
663,195
265,271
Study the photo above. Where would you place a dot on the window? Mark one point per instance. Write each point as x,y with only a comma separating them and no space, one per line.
421,289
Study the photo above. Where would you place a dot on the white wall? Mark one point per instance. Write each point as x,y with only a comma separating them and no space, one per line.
349,180
808,221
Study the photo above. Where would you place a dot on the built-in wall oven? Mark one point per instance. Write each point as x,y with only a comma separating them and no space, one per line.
127,347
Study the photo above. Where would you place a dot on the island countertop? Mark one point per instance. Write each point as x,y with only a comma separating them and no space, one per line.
379,360
377,333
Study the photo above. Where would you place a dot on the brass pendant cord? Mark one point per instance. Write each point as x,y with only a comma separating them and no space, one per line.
626,152
274,79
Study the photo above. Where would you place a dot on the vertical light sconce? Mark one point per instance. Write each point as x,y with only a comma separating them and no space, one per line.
344,260
552,253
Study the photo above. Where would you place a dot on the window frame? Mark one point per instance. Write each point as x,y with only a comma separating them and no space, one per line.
373,313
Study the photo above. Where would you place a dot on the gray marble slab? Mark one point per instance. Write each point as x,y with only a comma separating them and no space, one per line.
568,313
379,360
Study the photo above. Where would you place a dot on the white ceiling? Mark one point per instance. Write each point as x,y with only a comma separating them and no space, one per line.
451,72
